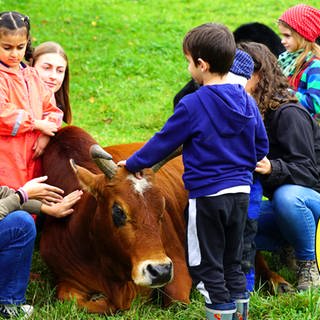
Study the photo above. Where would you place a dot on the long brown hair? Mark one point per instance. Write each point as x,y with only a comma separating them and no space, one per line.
62,95
272,89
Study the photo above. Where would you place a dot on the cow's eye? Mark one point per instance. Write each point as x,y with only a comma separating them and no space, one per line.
118,216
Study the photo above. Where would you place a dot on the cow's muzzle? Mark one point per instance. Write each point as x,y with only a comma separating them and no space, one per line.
153,273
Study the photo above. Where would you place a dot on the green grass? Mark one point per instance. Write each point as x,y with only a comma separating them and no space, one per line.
126,66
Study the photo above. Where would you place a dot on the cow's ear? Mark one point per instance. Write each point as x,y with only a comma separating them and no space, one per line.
86,178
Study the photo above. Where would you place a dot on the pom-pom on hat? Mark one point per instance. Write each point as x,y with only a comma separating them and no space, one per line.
242,64
304,19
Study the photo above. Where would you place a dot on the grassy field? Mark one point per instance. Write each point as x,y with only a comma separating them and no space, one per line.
126,66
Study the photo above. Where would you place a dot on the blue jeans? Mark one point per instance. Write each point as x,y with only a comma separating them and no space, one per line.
290,218
17,235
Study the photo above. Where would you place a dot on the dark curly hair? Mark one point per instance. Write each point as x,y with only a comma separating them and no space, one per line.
273,88
14,21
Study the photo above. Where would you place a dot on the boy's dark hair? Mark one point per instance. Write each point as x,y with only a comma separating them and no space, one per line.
13,21
212,42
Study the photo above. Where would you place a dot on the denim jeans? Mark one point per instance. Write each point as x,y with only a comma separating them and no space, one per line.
17,235
290,218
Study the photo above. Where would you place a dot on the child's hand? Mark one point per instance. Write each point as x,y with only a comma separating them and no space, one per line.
40,145
122,163
63,208
36,189
139,175
46,127
264,166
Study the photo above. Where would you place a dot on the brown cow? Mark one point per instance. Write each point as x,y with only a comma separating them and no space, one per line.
126,235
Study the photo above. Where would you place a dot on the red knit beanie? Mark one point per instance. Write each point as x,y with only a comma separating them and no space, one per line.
304,19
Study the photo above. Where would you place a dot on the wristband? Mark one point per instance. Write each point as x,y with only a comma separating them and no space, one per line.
24,194
20,197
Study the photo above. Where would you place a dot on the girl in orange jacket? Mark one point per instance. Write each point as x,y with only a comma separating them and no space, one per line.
28,113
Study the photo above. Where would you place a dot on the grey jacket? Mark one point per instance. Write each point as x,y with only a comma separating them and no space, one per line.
10,201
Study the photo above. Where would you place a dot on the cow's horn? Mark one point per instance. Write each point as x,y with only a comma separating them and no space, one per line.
171,156
103,160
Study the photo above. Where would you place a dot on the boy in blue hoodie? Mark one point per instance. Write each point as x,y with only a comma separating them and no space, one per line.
223,137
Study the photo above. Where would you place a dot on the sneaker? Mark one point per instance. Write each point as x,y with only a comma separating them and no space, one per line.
11,311
308,274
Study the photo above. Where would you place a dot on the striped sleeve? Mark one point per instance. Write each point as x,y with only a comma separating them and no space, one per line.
308,91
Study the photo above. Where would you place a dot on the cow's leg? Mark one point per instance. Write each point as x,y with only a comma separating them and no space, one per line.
277,283
66,291
180,287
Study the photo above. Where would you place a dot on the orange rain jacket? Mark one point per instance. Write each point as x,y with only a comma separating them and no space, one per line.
23,98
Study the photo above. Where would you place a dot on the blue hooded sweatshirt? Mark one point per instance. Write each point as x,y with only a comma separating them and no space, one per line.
222,134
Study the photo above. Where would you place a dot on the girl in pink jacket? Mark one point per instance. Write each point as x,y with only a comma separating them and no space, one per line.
28,113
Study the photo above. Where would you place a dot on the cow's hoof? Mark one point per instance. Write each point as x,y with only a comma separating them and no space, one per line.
282,287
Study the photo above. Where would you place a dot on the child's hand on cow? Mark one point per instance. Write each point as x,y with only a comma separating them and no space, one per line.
36,189
122,163
63,208
264,166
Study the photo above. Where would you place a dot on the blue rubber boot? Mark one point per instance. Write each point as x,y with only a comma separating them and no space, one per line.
242,307
225,311
220,314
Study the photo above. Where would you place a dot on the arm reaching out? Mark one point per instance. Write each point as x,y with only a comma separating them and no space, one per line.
138,174
63,208
53,203
36,189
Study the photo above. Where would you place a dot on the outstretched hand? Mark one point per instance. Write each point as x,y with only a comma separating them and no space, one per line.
63,208
36,189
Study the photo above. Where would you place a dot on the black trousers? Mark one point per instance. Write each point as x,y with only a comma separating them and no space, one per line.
215,227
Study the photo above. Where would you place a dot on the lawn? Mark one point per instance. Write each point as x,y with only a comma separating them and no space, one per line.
126,66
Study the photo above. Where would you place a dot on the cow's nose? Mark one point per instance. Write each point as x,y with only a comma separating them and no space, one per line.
160,274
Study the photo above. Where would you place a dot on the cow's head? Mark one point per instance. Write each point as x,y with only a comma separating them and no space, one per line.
127,224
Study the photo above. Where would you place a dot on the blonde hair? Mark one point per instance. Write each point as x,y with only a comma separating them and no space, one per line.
302,43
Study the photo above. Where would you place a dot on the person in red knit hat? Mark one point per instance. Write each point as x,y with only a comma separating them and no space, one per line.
300,28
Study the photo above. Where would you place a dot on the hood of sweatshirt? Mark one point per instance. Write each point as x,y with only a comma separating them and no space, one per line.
228,106
11,71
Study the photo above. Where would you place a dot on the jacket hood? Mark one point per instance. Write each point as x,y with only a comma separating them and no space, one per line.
11,71
230,109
